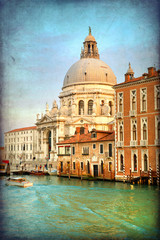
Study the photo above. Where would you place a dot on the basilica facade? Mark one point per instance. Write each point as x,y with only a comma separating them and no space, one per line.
87,98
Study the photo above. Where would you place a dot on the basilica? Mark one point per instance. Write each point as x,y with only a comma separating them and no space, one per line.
87,99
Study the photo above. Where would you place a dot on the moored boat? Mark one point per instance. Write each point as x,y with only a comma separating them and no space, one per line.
20,182
37,173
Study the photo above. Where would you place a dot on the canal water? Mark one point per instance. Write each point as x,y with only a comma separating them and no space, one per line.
59,208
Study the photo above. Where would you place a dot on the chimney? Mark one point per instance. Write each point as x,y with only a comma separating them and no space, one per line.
127,77
78,132
85,128
151,71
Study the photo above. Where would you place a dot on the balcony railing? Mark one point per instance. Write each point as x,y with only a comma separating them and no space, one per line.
120,144
143,142
133,143
132,113
119,114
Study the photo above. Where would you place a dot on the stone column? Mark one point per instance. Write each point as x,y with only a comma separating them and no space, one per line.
52,139
57,133
37,140
41,140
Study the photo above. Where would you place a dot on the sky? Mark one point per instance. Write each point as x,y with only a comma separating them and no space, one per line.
41,39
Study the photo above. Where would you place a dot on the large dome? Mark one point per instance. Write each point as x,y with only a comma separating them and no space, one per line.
89,70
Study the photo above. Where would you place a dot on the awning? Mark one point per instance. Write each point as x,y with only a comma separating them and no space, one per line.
5,161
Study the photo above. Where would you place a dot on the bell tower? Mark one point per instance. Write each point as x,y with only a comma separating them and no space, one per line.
89,49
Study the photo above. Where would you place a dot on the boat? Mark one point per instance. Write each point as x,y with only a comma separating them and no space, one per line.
53,172
37,173
20,182
4,167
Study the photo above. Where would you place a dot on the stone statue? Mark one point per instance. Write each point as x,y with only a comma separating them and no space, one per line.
55,104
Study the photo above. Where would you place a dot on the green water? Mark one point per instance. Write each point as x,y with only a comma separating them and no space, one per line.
56,208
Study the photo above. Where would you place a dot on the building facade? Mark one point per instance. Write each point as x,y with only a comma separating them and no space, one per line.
20,147
87,154
87,97
137,103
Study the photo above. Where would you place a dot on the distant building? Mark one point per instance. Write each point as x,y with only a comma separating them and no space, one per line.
2,154
87,97
137,104
87,154
20,146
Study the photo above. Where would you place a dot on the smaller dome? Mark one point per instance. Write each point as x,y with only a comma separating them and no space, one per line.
90,38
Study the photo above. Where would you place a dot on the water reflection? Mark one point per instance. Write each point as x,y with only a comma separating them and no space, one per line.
59,208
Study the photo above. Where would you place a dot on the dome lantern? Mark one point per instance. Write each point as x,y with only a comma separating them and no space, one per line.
89,49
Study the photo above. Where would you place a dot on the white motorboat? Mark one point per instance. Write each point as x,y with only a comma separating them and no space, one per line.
20,182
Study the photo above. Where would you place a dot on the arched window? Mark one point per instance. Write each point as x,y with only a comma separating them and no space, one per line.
144,132
88,167
120,104
145,163
121,162
90,107
101,167
69,104
158,130
133,103
134,133
134,162
89,50
110,105
121,133
81,107
143,103
158,100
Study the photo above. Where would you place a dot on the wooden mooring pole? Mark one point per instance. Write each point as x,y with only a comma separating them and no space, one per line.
150,175
124,173
157,174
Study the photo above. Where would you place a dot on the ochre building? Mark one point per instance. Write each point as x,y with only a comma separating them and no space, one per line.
87,154
137,103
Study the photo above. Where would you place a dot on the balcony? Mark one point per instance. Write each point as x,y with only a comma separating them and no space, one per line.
132,113
157,142
120,144
133,143
119,115
143,143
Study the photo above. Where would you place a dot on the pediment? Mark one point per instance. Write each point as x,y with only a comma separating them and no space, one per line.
45,119
82,121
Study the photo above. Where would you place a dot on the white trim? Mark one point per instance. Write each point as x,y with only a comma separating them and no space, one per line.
131,96
143,91
144,151
118,99
144,121
119,154
134,122
120,123
156,91
132,160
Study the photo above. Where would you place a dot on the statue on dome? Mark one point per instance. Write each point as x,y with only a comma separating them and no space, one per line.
89,30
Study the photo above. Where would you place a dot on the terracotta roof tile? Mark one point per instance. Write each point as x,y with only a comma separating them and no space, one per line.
22,129
108,136
138,79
